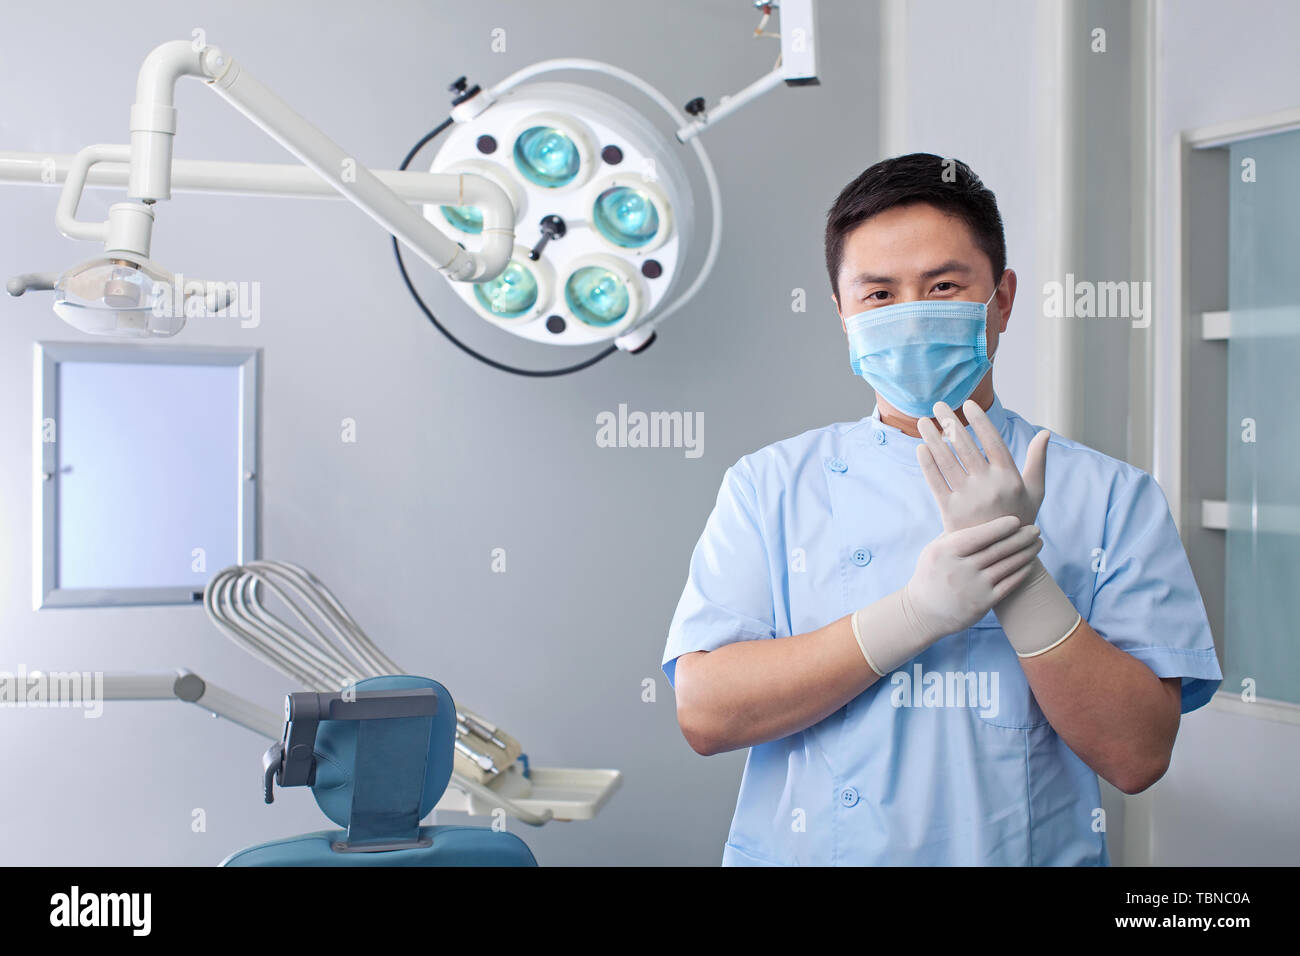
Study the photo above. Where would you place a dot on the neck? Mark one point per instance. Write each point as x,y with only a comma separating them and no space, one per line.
982,396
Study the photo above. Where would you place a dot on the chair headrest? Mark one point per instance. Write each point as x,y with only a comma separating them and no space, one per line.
389,769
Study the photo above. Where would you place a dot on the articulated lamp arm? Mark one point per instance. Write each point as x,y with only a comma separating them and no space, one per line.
153,128
147,169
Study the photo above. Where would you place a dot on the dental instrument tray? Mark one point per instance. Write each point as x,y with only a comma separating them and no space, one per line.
564,793
489,756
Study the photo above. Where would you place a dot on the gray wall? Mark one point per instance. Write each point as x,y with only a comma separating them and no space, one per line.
452,459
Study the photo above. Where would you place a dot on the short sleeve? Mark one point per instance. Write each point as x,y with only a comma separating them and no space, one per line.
728,594
1146,601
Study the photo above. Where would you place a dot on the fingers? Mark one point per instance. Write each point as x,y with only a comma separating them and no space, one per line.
969,540
1014,562
1035,472
995,448
1011,544
952,470
972,460
933,476
1011,582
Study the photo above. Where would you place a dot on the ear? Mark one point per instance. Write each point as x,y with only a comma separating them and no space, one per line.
836,300
1006,293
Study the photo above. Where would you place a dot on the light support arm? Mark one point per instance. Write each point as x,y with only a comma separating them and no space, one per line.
129,228
149,171
729,104
797,66
278,180
65,214
342,171
153,117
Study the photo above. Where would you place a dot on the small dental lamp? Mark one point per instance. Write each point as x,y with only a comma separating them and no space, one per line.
558,213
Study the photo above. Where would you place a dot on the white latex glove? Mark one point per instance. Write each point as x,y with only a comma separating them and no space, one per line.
971,486
1037,615
959,576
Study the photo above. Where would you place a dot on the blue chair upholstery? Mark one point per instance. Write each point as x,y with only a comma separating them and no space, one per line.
452,846
336,784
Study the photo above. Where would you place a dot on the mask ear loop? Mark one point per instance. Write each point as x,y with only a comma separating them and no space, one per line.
986,315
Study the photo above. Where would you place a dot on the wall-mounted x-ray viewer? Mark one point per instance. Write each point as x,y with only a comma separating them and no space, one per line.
146,471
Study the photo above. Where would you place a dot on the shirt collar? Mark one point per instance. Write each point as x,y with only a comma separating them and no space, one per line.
901,447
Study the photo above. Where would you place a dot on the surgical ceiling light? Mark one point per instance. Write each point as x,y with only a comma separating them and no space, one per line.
558,213
577,156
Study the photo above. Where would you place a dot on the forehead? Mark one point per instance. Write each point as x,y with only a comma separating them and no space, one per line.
909,240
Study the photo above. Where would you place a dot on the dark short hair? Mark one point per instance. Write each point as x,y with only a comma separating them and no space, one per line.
916,178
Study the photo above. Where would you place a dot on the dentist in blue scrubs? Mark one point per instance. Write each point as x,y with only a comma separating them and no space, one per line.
935,627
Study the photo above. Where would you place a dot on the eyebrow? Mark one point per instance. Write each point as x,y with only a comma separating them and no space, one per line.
952,265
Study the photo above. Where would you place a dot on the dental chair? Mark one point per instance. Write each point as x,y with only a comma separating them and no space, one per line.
377,761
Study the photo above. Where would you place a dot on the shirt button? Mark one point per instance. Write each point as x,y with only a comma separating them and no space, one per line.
880,437
862,557
849,797
837,465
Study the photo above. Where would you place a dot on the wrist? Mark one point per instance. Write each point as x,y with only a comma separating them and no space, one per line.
920,630
889,632
1037,616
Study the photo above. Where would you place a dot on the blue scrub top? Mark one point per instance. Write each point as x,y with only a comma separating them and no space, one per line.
921,768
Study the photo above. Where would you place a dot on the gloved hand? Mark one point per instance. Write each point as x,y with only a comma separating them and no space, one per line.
971,486
959,576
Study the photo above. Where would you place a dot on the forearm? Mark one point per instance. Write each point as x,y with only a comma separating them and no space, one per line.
1108,706
750,692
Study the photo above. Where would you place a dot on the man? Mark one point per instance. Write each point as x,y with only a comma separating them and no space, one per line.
928,668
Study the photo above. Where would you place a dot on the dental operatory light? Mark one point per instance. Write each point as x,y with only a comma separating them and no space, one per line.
558,212
116,296
580,158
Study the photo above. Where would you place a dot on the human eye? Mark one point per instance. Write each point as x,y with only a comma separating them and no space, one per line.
945,287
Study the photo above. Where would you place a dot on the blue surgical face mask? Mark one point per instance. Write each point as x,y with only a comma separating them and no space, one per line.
917,353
